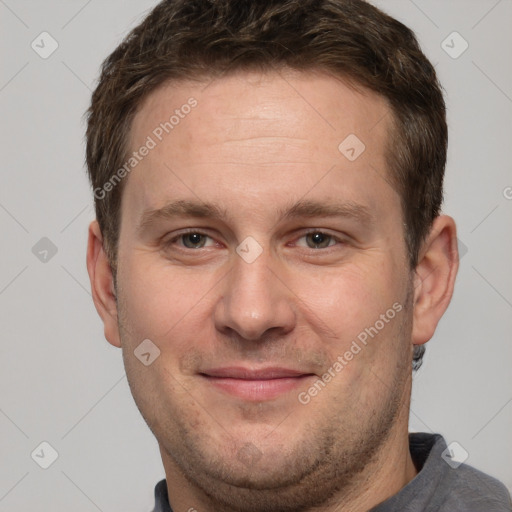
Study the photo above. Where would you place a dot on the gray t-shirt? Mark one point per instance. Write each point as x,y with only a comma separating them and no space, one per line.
438,487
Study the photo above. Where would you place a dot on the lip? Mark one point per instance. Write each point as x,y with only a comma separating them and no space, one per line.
255,384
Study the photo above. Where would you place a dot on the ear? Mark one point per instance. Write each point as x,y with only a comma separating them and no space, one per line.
434,278
102,284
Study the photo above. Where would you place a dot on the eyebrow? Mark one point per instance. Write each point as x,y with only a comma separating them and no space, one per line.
181,208
300,209
305,208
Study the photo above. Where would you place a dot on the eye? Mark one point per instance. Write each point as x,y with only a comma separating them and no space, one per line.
197,240
190,240
318,240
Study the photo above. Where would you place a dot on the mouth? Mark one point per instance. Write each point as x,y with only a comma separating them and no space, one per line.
255,385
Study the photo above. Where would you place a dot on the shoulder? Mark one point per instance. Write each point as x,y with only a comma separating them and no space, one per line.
455,487
445,486
161,497
474,491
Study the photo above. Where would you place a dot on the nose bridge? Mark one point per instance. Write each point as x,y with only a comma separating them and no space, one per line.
254,300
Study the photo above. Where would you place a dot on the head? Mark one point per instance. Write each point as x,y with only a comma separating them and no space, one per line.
303,146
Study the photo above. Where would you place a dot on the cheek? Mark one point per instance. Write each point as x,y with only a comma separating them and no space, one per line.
350,297
357,313
158,298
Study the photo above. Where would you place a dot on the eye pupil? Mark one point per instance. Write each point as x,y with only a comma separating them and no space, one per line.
319,238
193,239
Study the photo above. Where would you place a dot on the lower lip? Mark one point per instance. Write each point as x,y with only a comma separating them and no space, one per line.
257,390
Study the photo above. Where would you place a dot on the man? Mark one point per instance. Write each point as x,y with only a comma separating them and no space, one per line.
269,254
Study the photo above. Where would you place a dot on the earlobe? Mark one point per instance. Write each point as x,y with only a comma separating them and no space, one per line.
102,284
434,278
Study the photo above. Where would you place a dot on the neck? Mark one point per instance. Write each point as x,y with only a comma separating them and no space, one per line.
383,478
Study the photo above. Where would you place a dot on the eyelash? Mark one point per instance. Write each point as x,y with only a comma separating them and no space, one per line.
173,240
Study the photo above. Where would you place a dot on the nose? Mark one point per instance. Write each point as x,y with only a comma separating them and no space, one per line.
255,300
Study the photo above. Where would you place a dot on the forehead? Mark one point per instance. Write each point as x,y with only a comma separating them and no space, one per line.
238,101
255,135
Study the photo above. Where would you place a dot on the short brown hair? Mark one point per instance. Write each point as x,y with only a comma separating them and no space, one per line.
352,39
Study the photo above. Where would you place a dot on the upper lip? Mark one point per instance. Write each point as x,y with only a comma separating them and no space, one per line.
239,372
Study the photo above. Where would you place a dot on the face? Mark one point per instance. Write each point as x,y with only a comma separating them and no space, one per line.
267,264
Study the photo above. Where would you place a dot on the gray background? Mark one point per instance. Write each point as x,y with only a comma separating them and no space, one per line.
61,382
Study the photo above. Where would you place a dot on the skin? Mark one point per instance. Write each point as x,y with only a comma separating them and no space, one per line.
255,145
